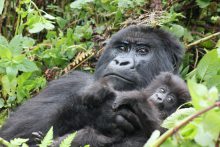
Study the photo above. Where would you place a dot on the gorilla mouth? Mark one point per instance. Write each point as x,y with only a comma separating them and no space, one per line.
119,77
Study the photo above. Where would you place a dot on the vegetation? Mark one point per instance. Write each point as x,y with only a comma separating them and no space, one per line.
41,40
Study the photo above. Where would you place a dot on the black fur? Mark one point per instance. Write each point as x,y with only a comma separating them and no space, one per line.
132,58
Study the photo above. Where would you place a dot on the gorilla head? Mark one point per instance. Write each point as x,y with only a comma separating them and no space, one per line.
135,55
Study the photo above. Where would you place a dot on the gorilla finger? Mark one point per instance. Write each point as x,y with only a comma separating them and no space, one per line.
131,117
124,124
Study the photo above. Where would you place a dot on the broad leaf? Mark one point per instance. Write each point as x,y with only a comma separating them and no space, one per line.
177,116
3,41
203,137
27,66
203,3
177,30
1,5
78,4
37,27
209,65
198,93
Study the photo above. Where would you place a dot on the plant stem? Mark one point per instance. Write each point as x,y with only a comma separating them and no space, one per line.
171,131
202,40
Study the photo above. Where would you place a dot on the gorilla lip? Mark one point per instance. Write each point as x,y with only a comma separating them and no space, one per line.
119,77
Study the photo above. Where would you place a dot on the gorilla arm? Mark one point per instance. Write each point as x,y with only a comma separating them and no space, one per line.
68,104
54,106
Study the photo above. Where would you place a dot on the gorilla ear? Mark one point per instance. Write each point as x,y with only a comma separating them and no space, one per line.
173,47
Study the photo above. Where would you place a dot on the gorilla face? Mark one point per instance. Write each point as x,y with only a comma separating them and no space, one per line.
135,55
164,98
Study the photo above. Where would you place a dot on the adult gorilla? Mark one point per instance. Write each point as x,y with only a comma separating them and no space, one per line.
132,58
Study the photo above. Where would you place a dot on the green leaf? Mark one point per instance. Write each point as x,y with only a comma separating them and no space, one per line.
189,132
16,45
9,85
27,66
209,65
61,22
177,117
213,94
78,4
67,141
211,122
1,5
18,141
154,136
214,81
37,27
23,77
217,44
2,103
5,52
203,3
199,93
3,41
11,71
48,16
203,137
28,42
48,25
18,59
48,139
177,30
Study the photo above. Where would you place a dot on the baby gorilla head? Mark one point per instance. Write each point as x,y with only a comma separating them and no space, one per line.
167,92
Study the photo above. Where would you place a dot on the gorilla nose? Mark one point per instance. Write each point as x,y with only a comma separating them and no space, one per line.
159,99
122,62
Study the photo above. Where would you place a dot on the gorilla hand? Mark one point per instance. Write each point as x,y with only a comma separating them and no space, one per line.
97,93
127,121
142,115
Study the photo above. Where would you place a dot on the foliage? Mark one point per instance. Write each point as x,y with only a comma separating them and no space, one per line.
41,40
18,72
67,141
45,142
204,130
48,139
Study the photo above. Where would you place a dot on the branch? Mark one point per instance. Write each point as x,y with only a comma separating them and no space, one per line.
171,131
202,40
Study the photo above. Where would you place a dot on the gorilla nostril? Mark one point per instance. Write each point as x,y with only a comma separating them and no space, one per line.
160,99
116,61
124,63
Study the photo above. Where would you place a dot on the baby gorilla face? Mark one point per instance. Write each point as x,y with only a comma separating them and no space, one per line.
164,98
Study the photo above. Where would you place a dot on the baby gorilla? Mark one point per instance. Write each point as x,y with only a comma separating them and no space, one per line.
167,92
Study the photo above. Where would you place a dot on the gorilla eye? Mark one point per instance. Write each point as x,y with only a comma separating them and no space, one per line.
143,51
122,48
170,98
162,90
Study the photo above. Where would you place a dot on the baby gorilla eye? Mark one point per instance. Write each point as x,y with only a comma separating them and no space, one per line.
162,90
170,98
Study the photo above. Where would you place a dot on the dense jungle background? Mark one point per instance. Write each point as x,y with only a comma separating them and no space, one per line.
41,40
